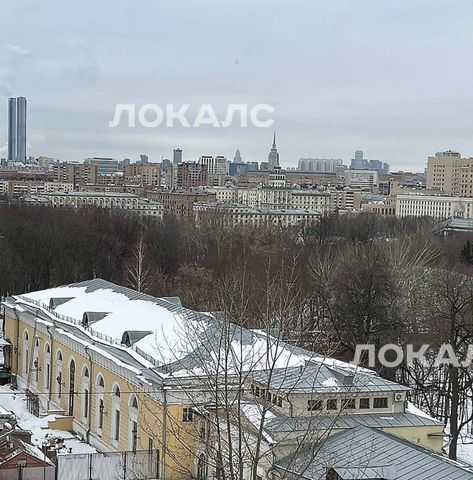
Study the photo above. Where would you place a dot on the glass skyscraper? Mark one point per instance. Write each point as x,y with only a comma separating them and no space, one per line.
17,108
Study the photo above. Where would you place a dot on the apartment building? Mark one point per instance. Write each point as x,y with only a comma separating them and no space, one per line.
129,371
76,173
147,174
277,197
450,173
191,175
440,207
126,202
232,214
364,179
179,202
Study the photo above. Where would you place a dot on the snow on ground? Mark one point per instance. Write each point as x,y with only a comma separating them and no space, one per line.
15,401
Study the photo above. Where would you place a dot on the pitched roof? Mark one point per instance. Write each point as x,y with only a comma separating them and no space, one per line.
363,449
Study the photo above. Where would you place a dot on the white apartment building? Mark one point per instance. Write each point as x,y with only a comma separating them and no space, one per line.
215,165
364,179
111,200
435,206
231,214
274,197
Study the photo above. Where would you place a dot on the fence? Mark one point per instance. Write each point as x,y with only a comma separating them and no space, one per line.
29,473
142,465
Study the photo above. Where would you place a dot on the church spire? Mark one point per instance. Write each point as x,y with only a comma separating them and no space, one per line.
274,139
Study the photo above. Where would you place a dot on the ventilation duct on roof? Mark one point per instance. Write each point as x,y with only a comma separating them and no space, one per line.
130,337
91,317
55,302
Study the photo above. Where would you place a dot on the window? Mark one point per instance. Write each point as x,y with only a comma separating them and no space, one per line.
332,404
86,403
313,405
100,381
201,474
116,391
150,445
187,414
380,402
364,403
348,403
101,407
116,436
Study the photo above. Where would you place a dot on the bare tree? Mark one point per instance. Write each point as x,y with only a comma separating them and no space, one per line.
138,270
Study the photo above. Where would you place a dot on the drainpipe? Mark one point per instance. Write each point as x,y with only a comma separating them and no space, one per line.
51,365
89,413
164,433
17,347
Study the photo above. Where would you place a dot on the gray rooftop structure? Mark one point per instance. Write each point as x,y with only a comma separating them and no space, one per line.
316,376
284,423
367,453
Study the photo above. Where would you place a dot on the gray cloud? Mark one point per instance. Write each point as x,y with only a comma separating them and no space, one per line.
391,77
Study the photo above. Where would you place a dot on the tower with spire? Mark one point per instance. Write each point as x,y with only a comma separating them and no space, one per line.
273,157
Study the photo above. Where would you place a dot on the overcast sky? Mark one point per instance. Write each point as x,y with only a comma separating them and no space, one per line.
391,77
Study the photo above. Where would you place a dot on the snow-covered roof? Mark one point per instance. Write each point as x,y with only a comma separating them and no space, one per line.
142,332
121,310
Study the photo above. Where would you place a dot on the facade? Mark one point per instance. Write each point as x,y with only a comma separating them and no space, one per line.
179,203
450,173
192,174
345,199
126,202
215,165
275,197
145,174
78,174
104,165
232,214
363,179
440,207
273,157
177,155
130,371
17,129
12,129
330,165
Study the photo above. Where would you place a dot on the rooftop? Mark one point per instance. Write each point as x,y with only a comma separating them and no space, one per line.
366,453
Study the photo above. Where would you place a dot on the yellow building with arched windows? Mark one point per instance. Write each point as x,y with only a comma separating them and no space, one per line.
127,371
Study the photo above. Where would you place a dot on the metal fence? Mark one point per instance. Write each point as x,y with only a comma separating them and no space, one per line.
142,465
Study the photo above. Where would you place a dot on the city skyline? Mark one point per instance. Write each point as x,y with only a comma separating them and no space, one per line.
331,84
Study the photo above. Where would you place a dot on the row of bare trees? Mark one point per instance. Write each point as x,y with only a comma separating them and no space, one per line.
328,287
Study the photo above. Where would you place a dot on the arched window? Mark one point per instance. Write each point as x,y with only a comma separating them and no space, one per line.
116,414
201,470
26,352
100,406
47,367
72,378
85,384
59,380
133,423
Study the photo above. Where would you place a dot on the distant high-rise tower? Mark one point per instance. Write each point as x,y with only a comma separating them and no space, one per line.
17,129
21,129
273,157
177,155
237,158
12,129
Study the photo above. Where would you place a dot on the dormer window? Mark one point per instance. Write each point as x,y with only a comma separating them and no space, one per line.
314,405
